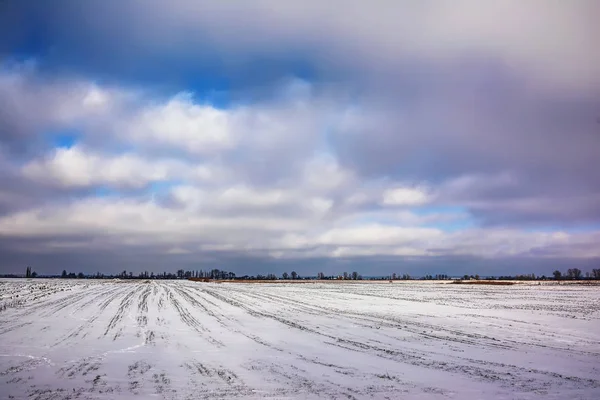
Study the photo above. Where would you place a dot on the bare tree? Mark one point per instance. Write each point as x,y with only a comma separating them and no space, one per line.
294,275
354,275
574,273
285,275
557,275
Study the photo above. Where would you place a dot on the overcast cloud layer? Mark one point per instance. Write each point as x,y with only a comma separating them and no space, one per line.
423,137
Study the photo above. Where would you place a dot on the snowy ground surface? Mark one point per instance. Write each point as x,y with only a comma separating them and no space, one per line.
63,339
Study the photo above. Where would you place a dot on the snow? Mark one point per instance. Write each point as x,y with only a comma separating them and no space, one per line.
86,339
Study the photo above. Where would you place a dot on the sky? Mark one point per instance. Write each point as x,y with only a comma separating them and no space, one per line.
416,137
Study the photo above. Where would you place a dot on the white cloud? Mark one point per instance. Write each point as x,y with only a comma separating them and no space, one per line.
378,235
144,221
406,196
74,167
240,200
323,173
240,195
122,223
229,197
181,123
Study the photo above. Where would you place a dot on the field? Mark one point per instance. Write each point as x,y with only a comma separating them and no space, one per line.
83,339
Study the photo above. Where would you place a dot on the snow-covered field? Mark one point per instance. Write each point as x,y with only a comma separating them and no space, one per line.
63,339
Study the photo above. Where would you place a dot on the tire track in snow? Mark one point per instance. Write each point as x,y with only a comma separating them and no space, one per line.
503,373
188,318
308,342
123,308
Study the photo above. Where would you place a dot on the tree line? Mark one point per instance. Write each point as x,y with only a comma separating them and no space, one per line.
217,274
571,274
576,274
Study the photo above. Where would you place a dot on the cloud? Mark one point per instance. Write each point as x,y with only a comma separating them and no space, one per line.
267,131
74,167
377,235
553,43
305,200
199,129
120,224
404,196
30,103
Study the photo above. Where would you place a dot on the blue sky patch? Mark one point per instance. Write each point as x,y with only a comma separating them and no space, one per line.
63,139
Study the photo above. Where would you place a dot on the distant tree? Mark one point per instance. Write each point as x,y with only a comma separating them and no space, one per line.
64,274
596,273
180,273
354,275
574,273
28,272
81,276
557,275
294,275
477,277
345,275
285,275
34,274
394,276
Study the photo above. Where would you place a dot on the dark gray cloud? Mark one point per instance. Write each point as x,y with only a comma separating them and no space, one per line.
457,125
